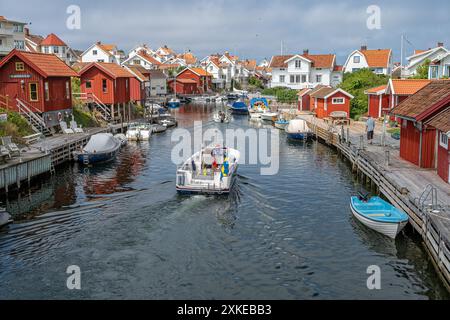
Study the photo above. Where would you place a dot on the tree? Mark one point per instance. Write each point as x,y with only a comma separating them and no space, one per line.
422,70
356,83
253,81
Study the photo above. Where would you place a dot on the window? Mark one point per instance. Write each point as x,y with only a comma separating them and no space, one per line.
34,92
136,61
88,84
126,83
67,90
297,78
434,72
298,64
356,59
355,69
443,140
338,100
46,49
100,60
282,79
1,41
94,52
18,28
63,49
319,78
19,44
303,78
20,66
55,49
104,86
46,91
292,79
447,70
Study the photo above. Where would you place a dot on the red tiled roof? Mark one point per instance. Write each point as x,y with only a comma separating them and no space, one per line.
378,58
137,72
376,89
408,86
48,65
338,68
424,99
303,91
148,58
441,121
185,80
201,72
113,69
52,40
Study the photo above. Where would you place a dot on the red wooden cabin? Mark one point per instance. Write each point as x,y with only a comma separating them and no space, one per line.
382,99
203,80
417,137
137,85
442,124
327,100
183,86
304,99
41,82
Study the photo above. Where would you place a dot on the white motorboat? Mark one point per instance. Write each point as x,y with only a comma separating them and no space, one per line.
122,138
269,116
212,170
298,129
100,148
139,132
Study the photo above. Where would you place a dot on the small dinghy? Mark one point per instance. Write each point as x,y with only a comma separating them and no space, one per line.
212,170
5,217
122,138
378,215
269,116
298,129
158,128
168,122
101,147
174,103
139,132
239,107
281,124
221,117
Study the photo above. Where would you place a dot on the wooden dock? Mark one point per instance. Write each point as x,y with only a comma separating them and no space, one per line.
421,193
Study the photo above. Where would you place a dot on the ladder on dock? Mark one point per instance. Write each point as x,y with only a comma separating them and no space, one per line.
98,104
428,200
33,118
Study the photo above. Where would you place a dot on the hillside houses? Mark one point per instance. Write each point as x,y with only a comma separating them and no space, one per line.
438,57
12,35
100,52
298,71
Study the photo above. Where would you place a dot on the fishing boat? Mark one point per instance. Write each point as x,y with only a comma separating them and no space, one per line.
221,117
100,148
239,107
174,103
378,215
212,170
5,217
139,132
281,123
298,129
122,139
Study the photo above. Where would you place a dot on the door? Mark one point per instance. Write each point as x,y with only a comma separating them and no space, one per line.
12,90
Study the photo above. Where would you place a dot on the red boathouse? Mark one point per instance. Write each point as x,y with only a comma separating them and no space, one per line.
37,83
418,135
327,100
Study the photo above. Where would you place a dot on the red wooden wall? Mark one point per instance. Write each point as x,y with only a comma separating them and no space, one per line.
305,103
409,142
135,89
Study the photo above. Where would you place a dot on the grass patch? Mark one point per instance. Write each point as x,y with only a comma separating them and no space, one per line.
16,126
84,118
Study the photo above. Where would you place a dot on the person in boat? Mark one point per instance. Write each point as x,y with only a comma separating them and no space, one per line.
193,166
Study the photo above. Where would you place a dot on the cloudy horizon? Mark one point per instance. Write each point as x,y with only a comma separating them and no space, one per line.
249,29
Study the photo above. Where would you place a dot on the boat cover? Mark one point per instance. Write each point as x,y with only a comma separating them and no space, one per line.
101,142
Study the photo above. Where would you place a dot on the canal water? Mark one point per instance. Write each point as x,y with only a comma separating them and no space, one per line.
286,236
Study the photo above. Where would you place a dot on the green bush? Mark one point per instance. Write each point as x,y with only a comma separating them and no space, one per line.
16,126
83,117
283,94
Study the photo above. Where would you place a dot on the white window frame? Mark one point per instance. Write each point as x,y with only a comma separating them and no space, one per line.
318,78
282,78
356,58
443,140
333,101
94,52
298,64
436,69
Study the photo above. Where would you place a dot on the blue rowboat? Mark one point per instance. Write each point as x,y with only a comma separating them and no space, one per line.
298,129
281,124
239,107
378,215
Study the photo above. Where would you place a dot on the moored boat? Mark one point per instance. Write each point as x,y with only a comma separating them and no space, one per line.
269,116
139,132
158,128
221,117
378,215
122,138
239,107
281,124
212,170
100,148
173,103
298,129
5,217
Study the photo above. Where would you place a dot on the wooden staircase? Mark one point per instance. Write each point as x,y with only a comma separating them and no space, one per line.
99,105
36,122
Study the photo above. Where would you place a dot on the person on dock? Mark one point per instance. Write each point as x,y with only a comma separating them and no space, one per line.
370,128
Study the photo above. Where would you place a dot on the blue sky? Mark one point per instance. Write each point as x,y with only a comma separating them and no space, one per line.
248,28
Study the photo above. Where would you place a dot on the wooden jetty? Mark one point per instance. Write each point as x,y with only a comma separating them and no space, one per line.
421,193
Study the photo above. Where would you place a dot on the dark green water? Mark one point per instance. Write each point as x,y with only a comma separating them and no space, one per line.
287,236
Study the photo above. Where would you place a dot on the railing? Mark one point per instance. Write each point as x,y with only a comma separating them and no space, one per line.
104,111
37,122
5,102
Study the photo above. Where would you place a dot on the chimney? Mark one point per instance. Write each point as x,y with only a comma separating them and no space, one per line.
306,51
440,44
364,47
99,42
